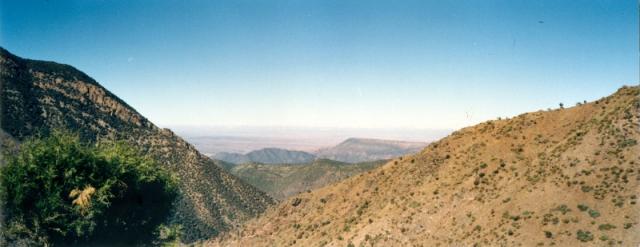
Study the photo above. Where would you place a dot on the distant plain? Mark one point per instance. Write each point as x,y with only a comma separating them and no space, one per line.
212,140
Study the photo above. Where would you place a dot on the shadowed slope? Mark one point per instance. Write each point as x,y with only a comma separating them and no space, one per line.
39,96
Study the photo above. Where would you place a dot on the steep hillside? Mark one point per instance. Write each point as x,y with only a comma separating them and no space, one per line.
39,96
567,177
267,156
355,150
283,181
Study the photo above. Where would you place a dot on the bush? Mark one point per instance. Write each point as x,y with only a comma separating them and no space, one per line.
563,209
594,213
58,190
168,236
606,227
583,207
584,236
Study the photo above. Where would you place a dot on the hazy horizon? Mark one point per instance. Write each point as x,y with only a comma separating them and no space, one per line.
242,139
337,64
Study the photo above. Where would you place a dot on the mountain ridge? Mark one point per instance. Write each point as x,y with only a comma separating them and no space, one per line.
40,96
351,150
267,156
354,150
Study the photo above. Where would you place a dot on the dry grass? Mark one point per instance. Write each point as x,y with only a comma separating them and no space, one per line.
82,197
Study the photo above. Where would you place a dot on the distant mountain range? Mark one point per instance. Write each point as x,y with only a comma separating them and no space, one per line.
283,181
352,150
211,140
267,156
38,97
234,158
355,150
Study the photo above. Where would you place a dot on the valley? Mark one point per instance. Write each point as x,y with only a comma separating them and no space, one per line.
319,123
216,196
566,176
285,180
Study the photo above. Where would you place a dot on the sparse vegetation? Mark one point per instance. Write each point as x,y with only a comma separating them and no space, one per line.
486,207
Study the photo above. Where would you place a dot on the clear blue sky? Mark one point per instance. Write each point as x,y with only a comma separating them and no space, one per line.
424,64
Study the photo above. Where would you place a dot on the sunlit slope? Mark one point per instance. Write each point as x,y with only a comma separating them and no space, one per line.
566,177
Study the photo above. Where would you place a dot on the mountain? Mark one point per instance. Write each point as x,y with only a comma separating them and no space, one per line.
267,156
564,177
355,150
285,180
234,158
352,150
279,156
39,96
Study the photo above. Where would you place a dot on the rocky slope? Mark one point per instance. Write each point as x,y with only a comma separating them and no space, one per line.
39,96
284,180
355,150
566,177
267,156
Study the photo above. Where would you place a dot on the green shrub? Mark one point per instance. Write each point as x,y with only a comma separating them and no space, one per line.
584,236
563,209
605,227
627,143
59,190
168,235
583,207
594,213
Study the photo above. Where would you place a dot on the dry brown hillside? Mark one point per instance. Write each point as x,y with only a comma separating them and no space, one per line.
567,177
